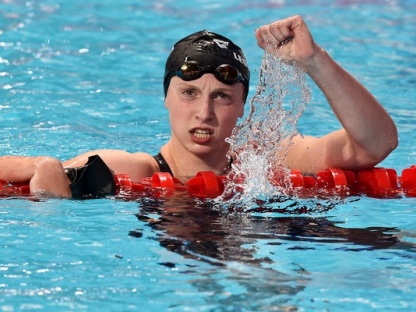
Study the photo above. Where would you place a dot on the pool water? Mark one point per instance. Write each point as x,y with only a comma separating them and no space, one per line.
82,75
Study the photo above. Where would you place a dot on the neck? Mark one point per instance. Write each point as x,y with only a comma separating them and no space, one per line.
186,164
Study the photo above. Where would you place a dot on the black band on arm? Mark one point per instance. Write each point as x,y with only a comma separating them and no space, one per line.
93,180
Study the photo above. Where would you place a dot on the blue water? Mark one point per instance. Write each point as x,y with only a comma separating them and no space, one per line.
81,75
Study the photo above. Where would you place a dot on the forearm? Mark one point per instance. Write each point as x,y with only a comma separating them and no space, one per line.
45,174
18,168
368,126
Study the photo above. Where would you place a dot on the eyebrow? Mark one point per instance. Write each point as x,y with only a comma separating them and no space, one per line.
216,89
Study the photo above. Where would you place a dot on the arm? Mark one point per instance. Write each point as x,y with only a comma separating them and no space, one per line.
136,165
47,175
368,134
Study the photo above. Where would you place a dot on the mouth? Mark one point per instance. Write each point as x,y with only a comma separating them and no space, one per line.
201,134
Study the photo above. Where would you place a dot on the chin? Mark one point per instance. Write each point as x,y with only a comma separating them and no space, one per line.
204,150
200,149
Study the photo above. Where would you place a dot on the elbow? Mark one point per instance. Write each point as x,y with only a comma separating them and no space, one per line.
394,144
385,152
391,142
370,155
385,148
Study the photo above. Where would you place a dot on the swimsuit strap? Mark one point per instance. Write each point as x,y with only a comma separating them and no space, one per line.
163,165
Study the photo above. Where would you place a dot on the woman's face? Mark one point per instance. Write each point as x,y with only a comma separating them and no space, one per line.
203,112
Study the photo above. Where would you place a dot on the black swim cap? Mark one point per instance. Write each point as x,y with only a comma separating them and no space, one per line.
209,50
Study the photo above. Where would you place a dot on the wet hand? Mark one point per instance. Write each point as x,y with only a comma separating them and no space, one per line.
289,39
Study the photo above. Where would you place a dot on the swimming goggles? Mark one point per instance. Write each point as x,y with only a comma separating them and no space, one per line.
225,73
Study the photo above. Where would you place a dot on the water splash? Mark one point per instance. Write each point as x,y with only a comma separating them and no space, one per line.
260,143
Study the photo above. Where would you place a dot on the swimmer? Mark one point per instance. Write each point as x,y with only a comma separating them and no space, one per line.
206,84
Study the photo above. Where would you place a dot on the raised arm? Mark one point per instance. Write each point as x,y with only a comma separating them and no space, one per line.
368,134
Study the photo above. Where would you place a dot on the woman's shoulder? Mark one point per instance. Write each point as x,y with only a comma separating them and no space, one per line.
137,165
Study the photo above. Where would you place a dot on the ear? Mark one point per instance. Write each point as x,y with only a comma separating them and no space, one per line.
166,103
241,108
168,99
241,116
243,105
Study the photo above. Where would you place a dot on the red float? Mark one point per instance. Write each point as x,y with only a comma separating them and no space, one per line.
373,182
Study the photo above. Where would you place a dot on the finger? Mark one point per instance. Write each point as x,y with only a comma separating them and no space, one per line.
264,37
277,31
267,35
260,41
283,30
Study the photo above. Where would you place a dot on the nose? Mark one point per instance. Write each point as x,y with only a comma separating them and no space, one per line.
205,109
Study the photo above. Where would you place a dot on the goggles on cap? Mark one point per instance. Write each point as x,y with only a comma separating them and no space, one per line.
191,70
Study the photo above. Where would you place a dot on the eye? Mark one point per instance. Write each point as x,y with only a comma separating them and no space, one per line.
189,92
223,97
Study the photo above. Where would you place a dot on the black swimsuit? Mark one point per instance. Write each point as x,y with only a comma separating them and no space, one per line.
163,165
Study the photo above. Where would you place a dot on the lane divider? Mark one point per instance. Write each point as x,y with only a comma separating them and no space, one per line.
374,182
